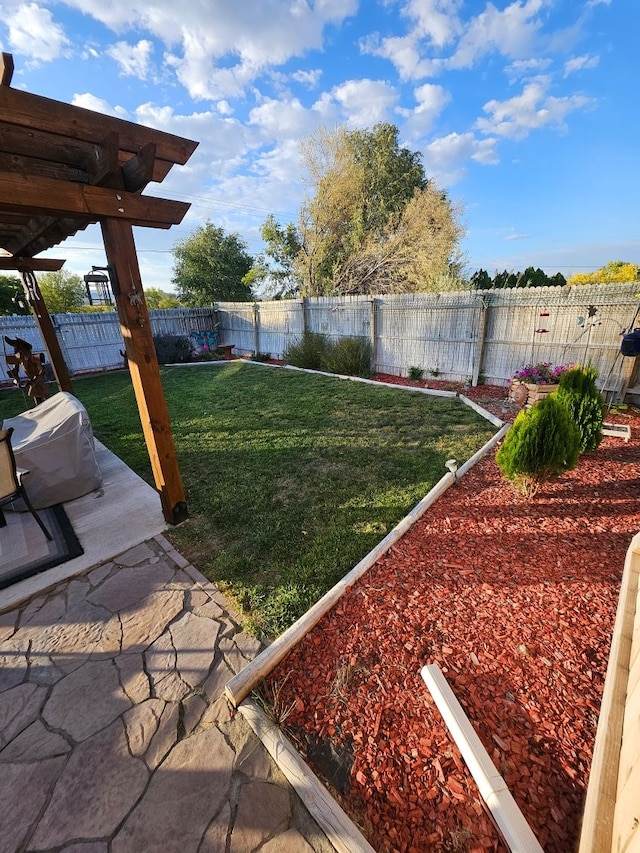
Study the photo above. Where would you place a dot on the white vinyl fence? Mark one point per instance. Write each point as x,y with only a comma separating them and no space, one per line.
91,342
471,336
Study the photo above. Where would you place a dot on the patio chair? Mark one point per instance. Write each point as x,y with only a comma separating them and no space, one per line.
11,485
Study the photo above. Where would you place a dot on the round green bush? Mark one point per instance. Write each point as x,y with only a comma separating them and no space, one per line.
579,394
542,443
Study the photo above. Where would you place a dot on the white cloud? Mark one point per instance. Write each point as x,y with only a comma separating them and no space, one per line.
436,20
218,48
579,63
516,236
525,67
365,102
516,117
281,119
404,52
511,32
98,105
431,100
445,158
134,59
33,33
308,78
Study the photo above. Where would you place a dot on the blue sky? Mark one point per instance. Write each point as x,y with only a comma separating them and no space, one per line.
526,112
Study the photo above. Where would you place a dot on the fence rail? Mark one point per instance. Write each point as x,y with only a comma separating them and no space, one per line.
467,336
475,336
91,342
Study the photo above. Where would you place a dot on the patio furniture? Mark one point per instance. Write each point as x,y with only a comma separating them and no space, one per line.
11,485
55,442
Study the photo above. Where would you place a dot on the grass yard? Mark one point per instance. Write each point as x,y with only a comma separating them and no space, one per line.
290,478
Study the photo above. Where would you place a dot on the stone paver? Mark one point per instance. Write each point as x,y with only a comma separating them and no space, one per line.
114,731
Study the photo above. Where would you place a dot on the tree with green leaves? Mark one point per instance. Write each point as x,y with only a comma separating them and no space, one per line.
157,298
211,266
276,268
531,277
62,291
12,298
371,222
615,272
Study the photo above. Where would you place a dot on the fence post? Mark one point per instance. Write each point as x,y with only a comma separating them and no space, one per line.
480,337
305,319
373,331
256,328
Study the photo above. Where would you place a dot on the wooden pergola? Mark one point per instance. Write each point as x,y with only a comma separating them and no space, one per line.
63,168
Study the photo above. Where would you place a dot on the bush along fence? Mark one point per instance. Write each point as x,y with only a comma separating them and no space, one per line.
470,336
93,342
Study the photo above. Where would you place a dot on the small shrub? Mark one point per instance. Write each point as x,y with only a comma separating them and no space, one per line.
313,351
262,356
435,372
578,392
309,351
349,357
416,373
542,443
172,349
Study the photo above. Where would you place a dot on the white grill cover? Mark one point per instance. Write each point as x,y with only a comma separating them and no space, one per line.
54,441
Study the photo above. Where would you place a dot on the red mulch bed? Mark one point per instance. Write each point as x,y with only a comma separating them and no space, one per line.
516,602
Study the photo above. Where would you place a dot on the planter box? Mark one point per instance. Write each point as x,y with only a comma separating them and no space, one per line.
535,393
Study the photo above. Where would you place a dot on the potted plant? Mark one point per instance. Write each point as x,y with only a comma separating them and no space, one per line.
534,381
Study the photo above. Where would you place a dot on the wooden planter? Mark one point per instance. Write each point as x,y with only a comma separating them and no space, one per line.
535,393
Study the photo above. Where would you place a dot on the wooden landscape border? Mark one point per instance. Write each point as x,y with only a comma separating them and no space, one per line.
330,817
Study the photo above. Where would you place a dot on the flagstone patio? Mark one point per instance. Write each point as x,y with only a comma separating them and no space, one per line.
114,731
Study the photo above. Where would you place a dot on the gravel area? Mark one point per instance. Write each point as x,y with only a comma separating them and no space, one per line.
515,600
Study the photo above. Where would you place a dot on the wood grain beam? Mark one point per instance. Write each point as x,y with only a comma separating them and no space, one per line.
6,69
143,366
24,264
48,197
34,112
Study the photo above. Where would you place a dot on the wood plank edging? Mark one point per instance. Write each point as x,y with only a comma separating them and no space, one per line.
334,822
493,789
238,687
596,835
485,413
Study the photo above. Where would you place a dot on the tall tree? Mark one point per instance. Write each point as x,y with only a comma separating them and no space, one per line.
157,298
276,268
12,298
211,265
372,222
63,292
615,272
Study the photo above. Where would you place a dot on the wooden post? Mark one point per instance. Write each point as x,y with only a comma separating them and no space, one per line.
143,365
48,333
373,331
256,328
479,345
305,319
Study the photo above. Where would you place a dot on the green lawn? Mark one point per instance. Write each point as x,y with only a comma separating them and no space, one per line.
290,478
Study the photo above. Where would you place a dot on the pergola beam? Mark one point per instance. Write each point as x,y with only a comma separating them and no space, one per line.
48,197
25,264
35,112
62,168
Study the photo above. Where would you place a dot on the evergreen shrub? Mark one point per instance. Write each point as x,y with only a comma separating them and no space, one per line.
350,356
172,349
578,392
309,351
542,443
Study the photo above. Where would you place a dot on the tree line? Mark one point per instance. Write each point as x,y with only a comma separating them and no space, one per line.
371,222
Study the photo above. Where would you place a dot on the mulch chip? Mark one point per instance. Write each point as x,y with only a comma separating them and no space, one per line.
515,601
